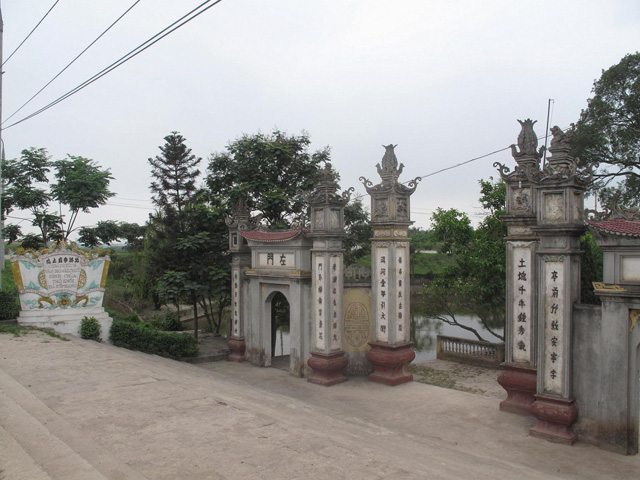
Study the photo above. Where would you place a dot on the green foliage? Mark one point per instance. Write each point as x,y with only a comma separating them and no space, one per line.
81,186
108,231
357,243
167,320
90,329
590,268
9,307
475,280
146,338
270,171
608,132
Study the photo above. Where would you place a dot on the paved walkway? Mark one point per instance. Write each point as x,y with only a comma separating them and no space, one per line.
83,410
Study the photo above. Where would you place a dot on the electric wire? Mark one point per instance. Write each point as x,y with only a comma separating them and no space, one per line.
71,62
34,29
125,58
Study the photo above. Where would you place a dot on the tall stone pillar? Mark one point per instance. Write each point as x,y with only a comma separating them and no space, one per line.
240,259
391,350
559,191
327,230
518,376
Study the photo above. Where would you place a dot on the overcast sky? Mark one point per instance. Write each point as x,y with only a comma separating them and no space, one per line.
444,80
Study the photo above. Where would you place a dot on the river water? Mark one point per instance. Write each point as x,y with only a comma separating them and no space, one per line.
424,332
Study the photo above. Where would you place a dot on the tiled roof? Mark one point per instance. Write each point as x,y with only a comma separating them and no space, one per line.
617,227
271,237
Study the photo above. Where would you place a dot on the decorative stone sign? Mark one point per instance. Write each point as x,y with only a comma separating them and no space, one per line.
357,324
60,285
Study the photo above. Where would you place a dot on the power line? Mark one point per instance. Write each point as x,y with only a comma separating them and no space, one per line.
71,62
34,29
478,158
139,49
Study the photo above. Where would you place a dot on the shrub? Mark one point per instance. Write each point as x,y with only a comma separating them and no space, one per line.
146,338
90,329
9,307
167,320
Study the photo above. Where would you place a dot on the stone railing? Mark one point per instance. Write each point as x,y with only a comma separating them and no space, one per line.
473,352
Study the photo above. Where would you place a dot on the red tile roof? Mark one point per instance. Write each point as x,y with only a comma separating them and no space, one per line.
270,237
617,227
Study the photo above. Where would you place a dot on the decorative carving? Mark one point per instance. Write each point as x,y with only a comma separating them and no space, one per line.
601,287
634,315
356,324
325,192
527,143
389,173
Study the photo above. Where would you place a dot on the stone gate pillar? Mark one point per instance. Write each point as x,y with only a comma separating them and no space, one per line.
240,259
391,351
559,194
518,377
327,230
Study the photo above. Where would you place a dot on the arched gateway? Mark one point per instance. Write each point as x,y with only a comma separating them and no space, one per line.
306,267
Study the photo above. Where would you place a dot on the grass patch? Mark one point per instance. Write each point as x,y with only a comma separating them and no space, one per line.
17,330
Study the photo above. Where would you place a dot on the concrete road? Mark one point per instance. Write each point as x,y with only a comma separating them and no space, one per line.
83,410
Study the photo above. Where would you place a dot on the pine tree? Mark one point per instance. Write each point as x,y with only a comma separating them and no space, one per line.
175,173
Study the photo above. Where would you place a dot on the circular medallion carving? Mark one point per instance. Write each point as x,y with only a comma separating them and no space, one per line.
42,279
357,324
82,279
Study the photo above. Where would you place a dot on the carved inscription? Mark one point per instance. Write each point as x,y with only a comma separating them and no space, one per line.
356,324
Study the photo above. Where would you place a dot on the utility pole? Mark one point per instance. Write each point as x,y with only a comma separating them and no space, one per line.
2,151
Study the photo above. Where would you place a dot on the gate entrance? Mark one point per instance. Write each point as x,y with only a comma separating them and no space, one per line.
280,329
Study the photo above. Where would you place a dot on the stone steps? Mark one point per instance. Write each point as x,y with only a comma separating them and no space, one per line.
36,443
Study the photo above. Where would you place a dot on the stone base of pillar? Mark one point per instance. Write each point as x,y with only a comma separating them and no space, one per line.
326,368
237,346
520,383
390,362
555,416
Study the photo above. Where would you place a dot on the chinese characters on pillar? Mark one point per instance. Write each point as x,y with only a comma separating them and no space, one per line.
236,302
319,305
382,322
522,306
401,293
336,286
553,360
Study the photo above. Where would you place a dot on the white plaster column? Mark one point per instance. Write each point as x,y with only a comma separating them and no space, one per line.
327,230
391,351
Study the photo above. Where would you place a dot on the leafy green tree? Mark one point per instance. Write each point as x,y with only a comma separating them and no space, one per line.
108,231
175,173
357,243
270,171
608,132
21,179
81,186
475,281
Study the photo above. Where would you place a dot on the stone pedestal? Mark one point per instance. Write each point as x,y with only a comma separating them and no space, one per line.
555,416
520,383
237,346
327,368
390,362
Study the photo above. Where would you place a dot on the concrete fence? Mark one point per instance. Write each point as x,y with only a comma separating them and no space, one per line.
473,352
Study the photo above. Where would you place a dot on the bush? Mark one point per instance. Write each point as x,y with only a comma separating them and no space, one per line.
127,317
90,329
167,320
9,307
146,338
